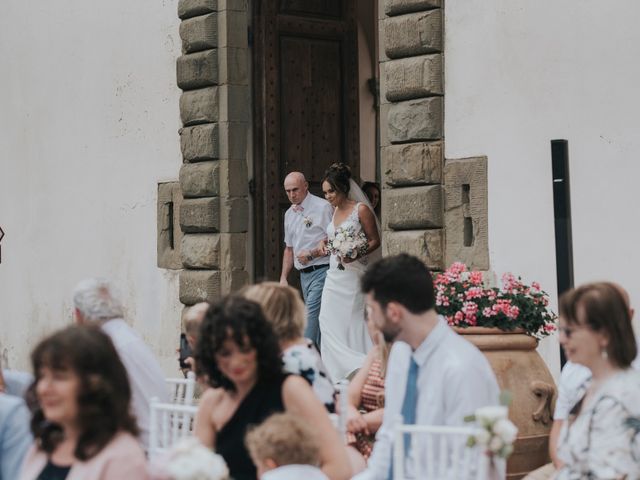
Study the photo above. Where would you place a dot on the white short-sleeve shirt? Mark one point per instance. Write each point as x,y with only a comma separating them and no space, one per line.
305,229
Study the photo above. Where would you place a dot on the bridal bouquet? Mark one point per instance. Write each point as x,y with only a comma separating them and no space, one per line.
346,243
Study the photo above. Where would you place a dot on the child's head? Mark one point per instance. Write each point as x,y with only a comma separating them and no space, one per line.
282,439
192,319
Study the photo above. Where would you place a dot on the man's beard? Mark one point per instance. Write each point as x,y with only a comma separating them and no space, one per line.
390,331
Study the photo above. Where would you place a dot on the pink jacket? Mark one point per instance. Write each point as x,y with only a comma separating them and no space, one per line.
122,458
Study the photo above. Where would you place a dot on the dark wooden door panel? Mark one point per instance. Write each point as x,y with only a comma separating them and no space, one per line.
305,106
321,8
311,107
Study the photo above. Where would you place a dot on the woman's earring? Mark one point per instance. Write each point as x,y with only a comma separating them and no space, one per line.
604,353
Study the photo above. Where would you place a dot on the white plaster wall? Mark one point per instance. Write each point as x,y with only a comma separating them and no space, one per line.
88,126
521,73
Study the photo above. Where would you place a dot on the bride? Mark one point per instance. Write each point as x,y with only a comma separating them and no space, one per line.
345,340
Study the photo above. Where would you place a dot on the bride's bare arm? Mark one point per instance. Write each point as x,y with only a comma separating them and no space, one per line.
368,221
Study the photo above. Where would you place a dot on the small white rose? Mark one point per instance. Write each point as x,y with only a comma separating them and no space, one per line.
336,243
496,444
340,237
483,437
506,430
490,415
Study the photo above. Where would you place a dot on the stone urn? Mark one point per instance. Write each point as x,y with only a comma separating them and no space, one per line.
521,370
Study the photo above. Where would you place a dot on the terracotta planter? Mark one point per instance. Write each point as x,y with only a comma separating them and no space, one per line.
520,369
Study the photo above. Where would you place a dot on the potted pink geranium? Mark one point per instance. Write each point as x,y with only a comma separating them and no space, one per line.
464,300
506,324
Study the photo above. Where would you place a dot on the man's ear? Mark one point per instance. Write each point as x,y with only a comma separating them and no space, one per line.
78,316
395,312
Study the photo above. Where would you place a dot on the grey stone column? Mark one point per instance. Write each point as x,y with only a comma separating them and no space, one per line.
411,124
215,113
433,208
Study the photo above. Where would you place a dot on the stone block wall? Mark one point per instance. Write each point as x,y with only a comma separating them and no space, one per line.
433,208
213,73
411,129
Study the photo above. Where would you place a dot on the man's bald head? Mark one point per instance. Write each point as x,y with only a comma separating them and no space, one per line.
296,187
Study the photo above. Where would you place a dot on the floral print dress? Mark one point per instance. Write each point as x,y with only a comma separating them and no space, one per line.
304,360
603,440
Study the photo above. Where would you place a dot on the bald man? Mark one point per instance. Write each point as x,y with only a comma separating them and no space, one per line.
305,226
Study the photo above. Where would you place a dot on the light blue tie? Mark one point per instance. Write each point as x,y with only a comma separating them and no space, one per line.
408,406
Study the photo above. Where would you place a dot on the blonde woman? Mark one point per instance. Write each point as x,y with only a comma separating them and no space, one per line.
284,309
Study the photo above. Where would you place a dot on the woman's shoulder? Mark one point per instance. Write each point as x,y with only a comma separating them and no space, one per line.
212,397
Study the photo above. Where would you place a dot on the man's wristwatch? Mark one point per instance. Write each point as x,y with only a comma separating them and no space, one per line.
309,257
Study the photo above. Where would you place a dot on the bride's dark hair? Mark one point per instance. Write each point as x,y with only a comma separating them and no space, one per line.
338,175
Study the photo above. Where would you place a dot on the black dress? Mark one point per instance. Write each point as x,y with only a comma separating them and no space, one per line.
262,401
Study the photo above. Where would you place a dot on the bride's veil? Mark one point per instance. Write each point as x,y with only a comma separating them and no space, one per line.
356,193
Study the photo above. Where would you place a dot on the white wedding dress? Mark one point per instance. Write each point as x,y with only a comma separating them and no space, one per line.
344,337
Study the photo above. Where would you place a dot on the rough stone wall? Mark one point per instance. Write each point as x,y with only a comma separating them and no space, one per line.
431,208
215,112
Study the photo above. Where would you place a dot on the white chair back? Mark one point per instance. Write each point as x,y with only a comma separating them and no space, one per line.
169,423
182,390
437,453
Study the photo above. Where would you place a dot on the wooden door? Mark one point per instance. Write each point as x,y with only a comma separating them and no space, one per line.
305,106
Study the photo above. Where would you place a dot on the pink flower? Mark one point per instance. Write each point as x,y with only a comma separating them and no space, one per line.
476,278
474,292
458,317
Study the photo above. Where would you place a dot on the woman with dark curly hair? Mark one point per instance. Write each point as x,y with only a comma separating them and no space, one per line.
347,341
239,354
80,411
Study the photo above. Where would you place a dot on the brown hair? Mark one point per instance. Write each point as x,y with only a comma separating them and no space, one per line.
104,394
282,306
604,310
284,438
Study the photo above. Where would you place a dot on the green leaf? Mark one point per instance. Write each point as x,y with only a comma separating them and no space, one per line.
470,418
505,398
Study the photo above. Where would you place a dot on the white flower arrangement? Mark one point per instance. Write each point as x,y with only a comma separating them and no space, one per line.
497,433
346,243
190,460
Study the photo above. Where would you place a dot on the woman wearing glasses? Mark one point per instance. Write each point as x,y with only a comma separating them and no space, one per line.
601,438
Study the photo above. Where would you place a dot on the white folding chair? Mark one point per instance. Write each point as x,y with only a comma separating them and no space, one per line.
437,453
169,423
182,390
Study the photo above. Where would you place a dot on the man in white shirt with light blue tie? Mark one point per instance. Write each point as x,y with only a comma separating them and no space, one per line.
305,226
434,376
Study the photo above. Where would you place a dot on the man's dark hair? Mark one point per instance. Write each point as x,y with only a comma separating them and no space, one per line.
242,321
403,279
104,394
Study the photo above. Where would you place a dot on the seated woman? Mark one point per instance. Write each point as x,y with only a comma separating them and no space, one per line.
601,439
81,422
240,355
366,396
284,309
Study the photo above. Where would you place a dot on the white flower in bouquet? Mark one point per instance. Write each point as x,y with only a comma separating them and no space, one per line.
483,437
496,432
489,415
190,460
506,430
